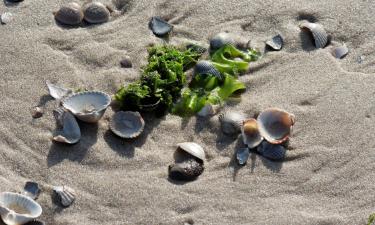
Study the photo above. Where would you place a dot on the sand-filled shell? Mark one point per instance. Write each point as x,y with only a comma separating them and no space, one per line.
187,170
160,27
18,209
205,67
250,133
276,43
65,195
270,151
6,17
319,34
127,124
31,189
191,148
275,125
69,14
56,91
88,106
68,129
340,52
96,12
221,39
231,122
242,156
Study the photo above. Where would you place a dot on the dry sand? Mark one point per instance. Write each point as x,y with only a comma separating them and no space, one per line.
327,178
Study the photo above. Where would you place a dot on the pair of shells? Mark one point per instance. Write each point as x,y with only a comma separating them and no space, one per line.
73,14
321,38
127,124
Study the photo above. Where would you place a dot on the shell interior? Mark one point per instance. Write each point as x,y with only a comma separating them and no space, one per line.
250,133
242,155
270,151
319,34
127,124
231,122
96,12
276,43
31,189
193,149
205,67
57,92
65,194
70,132
340,52
221,39
160,27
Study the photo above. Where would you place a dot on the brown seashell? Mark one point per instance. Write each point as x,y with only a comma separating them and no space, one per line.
69,14
96,12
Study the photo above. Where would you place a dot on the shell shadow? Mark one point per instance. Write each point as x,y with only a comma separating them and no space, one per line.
274,166
307,41
180,182
233,164
11,3
223,141
44,99
77,152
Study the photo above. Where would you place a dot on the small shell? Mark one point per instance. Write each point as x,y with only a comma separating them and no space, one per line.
6,17
319,34
70,14
242,155
96,12
159,27
37,112
250,133
127,124
275,125
31,189
193,149
57,92
209,110
270,151
231,122
186,170
65,195
340,52
221,39
205,67
276,43
70,132
35,222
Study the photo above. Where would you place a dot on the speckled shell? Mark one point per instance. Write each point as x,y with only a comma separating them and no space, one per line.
95,12
65,195
186,170
221,39
193,149
160,27
250,133
319,34
205,67
270,151
276,43
127,124
70,132
69,14
340,52
231,122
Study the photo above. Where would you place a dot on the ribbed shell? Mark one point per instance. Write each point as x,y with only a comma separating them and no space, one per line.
69,14
96,12
270,151
160,27
250,133
127,124
231,122
205,67
65,194
319,34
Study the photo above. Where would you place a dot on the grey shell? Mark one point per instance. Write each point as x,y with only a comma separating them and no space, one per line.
276,43
65,195
340,52
159,27
96,12
319,34
231,122
69,14
70,132
127,124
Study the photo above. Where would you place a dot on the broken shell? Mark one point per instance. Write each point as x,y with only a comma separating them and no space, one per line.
250,133
37,112
187,170
159,27
6,17
31,189
231,122
88,106
65,195
127,124
242,155
205,67
275,125
340,52
221,39
57,92
191,148
18,209
276,43
319,34
70,132
95,12
69,14
270,151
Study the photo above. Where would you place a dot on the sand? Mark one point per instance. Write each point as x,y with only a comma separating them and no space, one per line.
327,177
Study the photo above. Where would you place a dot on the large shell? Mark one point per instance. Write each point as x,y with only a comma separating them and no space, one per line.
270,151
193,149
70,132
57,92
127,124
319,34
276,43
65,195
340,52
231,122
250,133
159,27
187,170
205,67
69,14
221,39
96,12
18,209
275,125
242,155
88,106
31,189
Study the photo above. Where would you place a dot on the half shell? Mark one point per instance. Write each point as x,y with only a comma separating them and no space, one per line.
31,189
65,195
242,155
205,67
191,148
270,151
96,12
70,132
276,43
275,125
18,209
231,122
250,133
340,52
127,124
69,14
221,39
57,92
88,106
160,27
319,34
187,170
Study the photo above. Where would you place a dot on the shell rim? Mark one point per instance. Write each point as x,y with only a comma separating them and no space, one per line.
120,134
29,215
69,97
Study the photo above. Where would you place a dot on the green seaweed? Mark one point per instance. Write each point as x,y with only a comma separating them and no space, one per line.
371,219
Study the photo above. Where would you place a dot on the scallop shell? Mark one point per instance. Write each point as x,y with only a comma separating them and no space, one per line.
127,124
193,149
242,155
270,151
96,12
88,106
18,209
65,195
231,122
57,92
276,43
275,125
205,67
31,189
250,133
70,132
187,170
6,17
340,52
69,14
160,27
221,39
319,34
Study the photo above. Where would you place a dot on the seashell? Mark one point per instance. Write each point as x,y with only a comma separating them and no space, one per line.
191,148
250,133
221,39
65,195
18,209
340,52
159,27
70,132
126,63
35,222
196,48
242,155
319,34
209,110
69,14
6,17
37,112
88,106
57,92
95,12
231,122
127,124
187,170
275,125
31,189
205,67
276,43
270,151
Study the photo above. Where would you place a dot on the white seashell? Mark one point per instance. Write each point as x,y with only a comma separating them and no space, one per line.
276,43
340,52
250,133
65,194
275,125
18,209
231,122
70,132
127,124
6,17
69,14
57,92
209,110
319,34
88,106
193,149
96,12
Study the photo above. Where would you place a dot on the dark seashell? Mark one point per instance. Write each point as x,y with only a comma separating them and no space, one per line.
96,12
320,36
37,112
276,43
35,222
187,170
196,48
270,151
340,52
65,195
205,67
159,27
221,39
31,189
242,155
70,14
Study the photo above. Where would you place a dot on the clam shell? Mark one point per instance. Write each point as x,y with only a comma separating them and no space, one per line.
57,92
70,132
250,133
205,67
193,149
231,122
18,209
127,124
187,170
69,14
276,43
160,27
65,195
340,52
6,17
319,34
275,125
242,155
31,189
88,106
270,151
221,39
95,12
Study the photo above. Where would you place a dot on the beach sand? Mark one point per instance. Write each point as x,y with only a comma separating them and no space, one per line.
327,177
